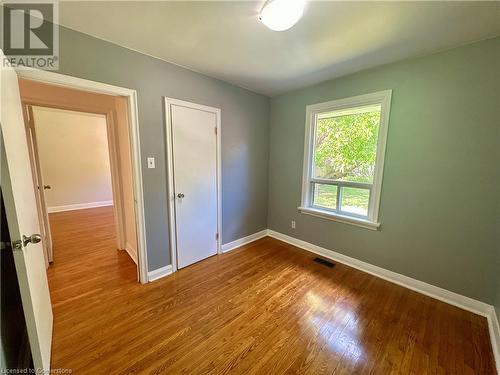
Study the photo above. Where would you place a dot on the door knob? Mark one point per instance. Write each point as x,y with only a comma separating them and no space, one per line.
34,238
47,187
180,195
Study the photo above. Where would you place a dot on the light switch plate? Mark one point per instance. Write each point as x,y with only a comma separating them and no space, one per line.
151,162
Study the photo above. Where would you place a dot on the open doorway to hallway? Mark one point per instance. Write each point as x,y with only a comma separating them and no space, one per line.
81,158
74,160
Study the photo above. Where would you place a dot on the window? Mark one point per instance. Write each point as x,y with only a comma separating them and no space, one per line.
344,158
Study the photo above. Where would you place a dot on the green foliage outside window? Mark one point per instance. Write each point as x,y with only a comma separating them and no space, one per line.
346,147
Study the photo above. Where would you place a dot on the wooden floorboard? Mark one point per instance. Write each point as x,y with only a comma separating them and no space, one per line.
265,308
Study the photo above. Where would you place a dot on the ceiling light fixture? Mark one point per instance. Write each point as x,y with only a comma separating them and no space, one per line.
280,15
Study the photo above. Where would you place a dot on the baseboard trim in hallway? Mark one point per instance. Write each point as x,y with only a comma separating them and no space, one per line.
79,206
494,330
131,252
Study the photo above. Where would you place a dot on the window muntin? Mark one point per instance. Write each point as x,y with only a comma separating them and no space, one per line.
345,147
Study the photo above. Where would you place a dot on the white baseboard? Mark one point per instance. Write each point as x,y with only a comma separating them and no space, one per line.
79,206
131,252
441,294
243,241
494,329
452,298
159,273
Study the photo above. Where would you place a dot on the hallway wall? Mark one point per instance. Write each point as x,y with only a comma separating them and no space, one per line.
74,158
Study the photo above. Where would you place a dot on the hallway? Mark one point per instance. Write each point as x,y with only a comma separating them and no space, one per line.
86,260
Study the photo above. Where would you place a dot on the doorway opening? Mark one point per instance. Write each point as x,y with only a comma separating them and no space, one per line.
81,158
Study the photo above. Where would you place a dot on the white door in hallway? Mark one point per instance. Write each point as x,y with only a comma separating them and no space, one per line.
18,192
43,214
194,174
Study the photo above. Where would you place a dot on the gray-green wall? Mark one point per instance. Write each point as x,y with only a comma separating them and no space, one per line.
440,189
440,194
245,117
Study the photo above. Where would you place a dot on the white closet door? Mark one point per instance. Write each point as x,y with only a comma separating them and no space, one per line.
195,183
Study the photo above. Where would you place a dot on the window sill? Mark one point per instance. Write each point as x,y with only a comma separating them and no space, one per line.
340,218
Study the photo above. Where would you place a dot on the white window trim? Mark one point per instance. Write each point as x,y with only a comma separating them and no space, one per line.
384,99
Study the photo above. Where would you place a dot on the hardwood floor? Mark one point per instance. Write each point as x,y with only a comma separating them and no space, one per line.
265,308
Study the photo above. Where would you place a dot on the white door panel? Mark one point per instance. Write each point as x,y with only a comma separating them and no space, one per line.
40,187
20,205
195,177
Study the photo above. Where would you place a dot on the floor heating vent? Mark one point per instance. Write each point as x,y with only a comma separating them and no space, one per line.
324,262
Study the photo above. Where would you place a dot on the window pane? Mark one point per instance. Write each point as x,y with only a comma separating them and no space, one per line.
355,200
325,196
346,144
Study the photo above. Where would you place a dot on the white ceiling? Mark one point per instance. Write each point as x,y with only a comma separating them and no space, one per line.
226,40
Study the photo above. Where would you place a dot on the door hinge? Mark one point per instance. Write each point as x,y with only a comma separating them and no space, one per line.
215,129
31,122
217,236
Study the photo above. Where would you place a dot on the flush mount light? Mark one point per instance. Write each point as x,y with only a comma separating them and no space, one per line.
280,15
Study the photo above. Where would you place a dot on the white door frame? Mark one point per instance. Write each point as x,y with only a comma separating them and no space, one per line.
112,143
170,172
131,95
